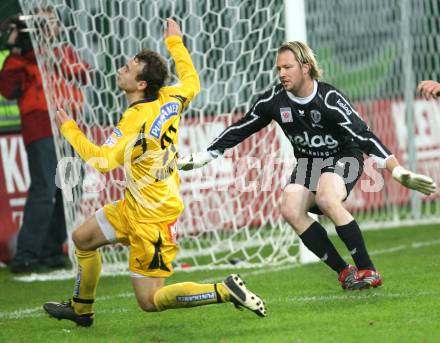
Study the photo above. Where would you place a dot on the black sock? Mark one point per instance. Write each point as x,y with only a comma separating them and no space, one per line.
315,238
351,235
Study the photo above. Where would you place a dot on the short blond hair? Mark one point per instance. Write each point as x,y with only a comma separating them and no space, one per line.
304,55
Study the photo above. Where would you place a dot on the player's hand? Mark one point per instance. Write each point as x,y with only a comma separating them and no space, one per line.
61,117
196,160
172,29
429,89
418,182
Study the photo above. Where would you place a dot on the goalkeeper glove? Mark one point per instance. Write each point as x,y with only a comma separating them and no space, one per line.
197,159
418,182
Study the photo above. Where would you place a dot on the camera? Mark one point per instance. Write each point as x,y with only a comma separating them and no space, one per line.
23,41
24,38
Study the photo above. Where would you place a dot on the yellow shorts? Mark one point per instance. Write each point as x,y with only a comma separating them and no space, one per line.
152,245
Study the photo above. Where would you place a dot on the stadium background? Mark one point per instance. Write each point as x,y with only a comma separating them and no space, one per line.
376,52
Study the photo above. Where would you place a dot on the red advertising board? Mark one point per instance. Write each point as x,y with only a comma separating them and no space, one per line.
14,182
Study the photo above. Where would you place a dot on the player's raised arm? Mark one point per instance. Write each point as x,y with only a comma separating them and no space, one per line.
189,82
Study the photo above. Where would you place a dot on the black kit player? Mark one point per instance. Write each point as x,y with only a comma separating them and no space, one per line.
329,139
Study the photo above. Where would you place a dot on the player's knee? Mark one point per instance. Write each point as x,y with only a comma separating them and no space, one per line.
293,214
147,304
326,202
80,240
293,208
76,238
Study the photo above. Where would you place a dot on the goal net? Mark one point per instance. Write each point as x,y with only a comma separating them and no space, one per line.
377,52
231,215
374,51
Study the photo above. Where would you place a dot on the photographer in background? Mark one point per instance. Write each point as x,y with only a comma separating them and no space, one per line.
9,113
43,231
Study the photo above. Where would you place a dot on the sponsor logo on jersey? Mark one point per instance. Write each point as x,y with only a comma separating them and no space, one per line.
301,113
117,132
316,141
346,107
166,112
316,116
286,115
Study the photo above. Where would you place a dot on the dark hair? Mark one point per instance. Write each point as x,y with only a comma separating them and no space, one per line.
155,71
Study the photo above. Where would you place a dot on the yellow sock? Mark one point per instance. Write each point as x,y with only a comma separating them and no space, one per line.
89,269
189,294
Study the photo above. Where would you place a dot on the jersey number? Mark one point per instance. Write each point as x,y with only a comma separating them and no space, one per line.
167,137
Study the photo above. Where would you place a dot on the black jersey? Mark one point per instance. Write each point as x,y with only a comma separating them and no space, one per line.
320,125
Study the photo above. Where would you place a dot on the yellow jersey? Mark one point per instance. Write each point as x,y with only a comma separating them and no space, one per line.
145,142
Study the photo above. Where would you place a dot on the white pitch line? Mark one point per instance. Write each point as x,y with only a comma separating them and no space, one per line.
37,311
64,275
415,245
255,272
20,314
349,296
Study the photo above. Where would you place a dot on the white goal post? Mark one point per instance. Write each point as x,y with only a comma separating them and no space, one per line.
232,213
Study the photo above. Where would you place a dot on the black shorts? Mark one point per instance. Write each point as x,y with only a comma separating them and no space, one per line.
349,164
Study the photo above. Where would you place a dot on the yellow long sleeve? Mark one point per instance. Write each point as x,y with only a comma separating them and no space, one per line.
101,158
145,141
110,155
189,81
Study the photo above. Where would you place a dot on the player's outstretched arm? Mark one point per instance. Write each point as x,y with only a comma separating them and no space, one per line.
421,183
230,137
418,182
254,120
429,89
113,152
197,159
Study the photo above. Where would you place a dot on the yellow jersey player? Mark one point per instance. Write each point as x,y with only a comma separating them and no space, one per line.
145,143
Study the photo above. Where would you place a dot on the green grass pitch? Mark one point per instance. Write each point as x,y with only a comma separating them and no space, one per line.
305,303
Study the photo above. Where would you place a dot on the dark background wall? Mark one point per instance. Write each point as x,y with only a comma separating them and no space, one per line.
8,8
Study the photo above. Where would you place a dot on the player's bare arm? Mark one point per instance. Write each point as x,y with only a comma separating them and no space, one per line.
429,89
